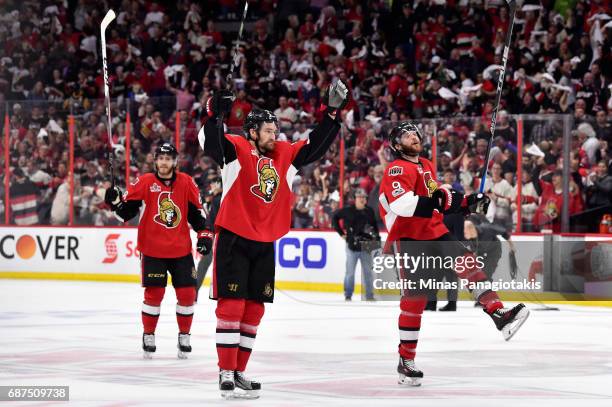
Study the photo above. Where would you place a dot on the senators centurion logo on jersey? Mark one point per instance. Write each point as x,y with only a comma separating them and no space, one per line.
268,180
430,183
550,209
168,213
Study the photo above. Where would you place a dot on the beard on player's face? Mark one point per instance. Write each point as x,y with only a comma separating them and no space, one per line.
411,146
164,172
165,166
264,139
267,146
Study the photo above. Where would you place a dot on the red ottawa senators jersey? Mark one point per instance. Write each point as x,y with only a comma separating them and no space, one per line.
256,200
400,188
163,230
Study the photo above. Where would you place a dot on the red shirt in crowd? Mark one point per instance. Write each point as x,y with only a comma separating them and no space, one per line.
398,87
240,110
548,214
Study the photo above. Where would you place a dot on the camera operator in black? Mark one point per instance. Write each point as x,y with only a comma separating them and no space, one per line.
481,237
454,223
361,234
212,207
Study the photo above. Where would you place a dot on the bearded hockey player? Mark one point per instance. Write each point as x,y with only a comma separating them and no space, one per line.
172,200
412,204
257,174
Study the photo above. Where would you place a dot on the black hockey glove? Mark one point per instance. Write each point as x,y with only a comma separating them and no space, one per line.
336,97
476,203
220,102
112,197
447,201
205,241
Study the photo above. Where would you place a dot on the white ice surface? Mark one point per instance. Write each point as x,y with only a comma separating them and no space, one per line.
312,350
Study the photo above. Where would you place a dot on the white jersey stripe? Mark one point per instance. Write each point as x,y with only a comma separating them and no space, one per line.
390,217
201,137
229,175
405,205
291,172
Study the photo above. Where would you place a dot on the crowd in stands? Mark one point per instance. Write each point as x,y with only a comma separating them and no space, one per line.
433,61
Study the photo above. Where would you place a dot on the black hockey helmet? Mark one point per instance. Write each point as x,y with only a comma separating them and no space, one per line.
166,148
395,135
255,118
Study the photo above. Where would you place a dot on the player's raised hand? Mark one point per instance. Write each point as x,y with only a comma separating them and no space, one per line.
205,241
220,103
336,97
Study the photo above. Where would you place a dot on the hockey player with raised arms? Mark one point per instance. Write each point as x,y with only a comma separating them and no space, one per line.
172,202
412,204
257,174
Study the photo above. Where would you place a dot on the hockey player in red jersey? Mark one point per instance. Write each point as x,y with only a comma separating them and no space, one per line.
412,204
172,200
257,173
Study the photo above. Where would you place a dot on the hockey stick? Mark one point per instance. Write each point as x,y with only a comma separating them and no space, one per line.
500,85
532,297
108,18
230,76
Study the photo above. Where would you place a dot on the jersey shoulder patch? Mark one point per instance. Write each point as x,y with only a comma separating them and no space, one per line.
395,170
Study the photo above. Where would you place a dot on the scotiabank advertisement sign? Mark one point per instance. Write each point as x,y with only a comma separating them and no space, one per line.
300,255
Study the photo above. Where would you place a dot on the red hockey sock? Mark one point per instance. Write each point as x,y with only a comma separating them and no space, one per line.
490,301
153,297
487,298
410,324
184,308
229,314
253,312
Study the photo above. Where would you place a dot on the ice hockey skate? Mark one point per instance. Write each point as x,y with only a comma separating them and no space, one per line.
245,387
148,345
184,345
510,320
409,374
226,383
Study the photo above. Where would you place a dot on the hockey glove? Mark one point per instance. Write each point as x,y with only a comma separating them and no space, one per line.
220,103
336,97
447,200
112,197
476,203
205,241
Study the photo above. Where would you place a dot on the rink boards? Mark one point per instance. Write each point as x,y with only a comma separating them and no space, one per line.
305,260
